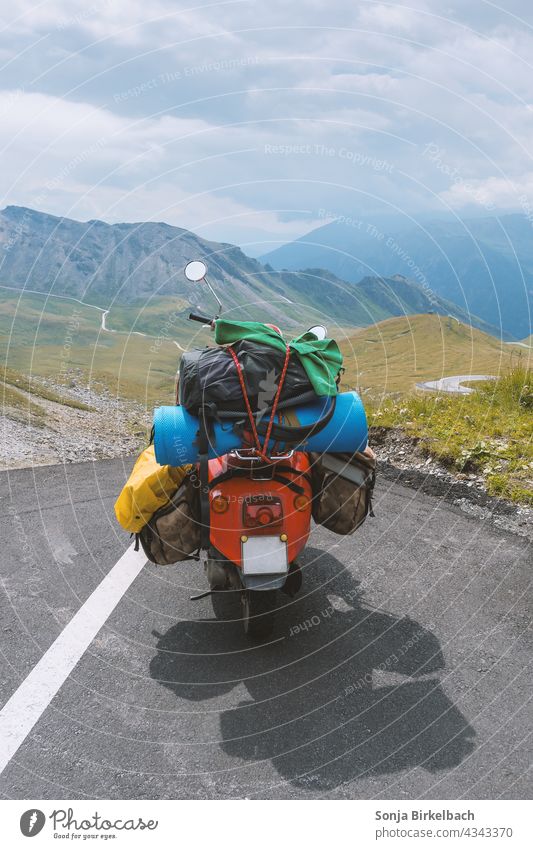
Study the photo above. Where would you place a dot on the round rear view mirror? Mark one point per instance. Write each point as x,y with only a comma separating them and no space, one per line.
319,331
195,270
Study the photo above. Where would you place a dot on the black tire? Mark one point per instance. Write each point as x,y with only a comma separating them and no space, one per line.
223,602
258,613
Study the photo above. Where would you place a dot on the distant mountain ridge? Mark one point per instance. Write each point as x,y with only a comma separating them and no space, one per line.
485,265
104,263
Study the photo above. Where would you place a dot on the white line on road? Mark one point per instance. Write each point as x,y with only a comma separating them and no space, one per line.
28,703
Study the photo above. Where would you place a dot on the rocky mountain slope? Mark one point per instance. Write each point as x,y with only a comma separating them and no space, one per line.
485,265
121,264
68,421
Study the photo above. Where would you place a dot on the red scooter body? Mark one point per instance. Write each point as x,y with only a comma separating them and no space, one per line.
260,517
266,502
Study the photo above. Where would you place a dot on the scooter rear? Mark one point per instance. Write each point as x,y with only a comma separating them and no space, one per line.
260,518
258,507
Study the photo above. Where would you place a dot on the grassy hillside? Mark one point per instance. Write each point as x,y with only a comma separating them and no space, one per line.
47,336
484,435
488,432
19,384
395,354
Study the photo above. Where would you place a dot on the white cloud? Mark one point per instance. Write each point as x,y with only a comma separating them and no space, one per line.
492,193
147,111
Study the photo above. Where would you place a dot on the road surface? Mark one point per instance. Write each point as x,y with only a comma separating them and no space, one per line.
453,385
400,672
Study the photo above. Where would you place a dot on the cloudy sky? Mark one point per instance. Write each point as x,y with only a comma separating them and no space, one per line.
253,122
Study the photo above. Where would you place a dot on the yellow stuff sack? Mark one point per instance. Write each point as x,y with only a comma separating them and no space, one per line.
148,488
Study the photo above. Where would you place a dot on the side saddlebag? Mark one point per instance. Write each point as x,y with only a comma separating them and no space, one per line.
342,490
173,532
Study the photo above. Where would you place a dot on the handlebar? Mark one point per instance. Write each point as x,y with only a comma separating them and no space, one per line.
201,318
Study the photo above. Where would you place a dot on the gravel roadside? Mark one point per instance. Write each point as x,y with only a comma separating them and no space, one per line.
117,428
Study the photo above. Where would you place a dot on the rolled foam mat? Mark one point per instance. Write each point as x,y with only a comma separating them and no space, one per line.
175,431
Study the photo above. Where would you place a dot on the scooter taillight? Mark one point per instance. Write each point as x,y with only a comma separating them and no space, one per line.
262,511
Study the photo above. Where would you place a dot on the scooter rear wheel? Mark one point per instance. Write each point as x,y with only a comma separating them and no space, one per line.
258,613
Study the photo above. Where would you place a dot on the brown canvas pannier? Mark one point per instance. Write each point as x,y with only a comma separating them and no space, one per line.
173,532
342,490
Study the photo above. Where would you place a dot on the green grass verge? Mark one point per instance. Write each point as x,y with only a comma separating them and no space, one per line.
14,400
489,432
21,381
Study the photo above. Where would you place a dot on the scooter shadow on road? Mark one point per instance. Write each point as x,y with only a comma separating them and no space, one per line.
317,709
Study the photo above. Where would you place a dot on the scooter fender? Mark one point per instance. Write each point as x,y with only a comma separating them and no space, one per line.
228,529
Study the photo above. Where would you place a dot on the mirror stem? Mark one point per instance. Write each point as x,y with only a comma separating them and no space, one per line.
215,297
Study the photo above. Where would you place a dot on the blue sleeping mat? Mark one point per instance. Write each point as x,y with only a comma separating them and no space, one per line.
175,431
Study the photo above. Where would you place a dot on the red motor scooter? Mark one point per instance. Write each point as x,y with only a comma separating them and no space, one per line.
259,517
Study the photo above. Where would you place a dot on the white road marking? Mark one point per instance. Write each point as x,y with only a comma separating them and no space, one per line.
28,703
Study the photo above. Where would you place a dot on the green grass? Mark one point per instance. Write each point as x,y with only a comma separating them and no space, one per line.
395,354
489,433
26,384
48,338
14,400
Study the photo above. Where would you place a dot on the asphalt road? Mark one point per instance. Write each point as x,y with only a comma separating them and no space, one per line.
412,678
453,384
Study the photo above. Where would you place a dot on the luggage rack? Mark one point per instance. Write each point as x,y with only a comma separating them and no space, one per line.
259,470
249,454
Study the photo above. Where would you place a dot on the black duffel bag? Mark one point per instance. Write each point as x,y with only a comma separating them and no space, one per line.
209,375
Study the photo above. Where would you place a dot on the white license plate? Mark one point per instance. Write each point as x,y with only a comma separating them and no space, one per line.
264,555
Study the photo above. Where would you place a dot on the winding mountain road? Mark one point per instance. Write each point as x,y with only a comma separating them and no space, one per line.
401,671
453,384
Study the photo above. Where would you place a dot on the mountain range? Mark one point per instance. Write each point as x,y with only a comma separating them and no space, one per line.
484,265
123,264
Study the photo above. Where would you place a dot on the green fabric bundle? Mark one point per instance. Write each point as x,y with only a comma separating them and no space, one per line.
321,358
